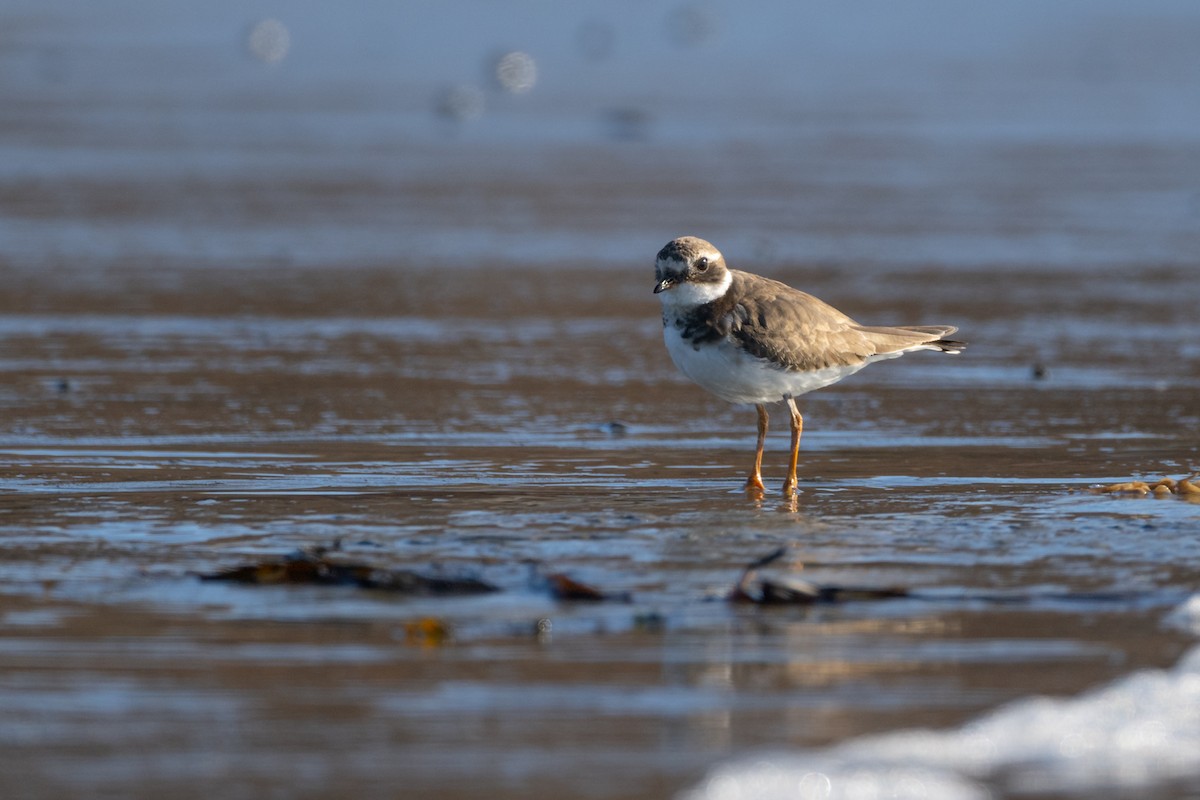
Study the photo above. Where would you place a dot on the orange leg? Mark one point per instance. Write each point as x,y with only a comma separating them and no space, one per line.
789,485
754,483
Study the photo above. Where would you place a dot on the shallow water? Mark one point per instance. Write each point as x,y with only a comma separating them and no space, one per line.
246,312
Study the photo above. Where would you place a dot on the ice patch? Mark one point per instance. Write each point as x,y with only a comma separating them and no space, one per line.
1139,731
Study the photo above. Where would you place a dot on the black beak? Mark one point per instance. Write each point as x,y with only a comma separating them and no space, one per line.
663,285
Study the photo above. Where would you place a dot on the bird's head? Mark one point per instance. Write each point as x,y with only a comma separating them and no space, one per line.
692,269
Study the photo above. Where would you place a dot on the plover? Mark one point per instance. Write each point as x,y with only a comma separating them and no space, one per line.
753,340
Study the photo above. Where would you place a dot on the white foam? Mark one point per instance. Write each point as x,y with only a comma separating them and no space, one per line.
1139,731
1187,616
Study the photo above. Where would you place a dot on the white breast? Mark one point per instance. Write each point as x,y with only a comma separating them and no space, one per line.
738,377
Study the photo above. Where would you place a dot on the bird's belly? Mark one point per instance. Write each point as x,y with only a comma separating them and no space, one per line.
735,376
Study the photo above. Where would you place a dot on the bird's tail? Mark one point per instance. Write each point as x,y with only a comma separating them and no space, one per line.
901,339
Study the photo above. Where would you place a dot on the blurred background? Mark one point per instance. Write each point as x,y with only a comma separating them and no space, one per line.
578,135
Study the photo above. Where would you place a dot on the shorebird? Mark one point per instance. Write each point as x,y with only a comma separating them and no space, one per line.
753,340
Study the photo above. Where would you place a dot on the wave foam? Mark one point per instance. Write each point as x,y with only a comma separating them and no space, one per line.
1138,731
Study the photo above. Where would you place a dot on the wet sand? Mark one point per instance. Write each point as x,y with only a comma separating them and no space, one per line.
505,422
245,313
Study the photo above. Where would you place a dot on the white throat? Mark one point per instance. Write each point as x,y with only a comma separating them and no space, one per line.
690,295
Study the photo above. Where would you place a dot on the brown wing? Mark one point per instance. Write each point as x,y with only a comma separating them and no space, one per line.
797,331
793,329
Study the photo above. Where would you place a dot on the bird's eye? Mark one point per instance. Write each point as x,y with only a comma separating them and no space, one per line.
702,264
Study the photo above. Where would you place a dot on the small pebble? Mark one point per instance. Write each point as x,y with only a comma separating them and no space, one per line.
616,429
